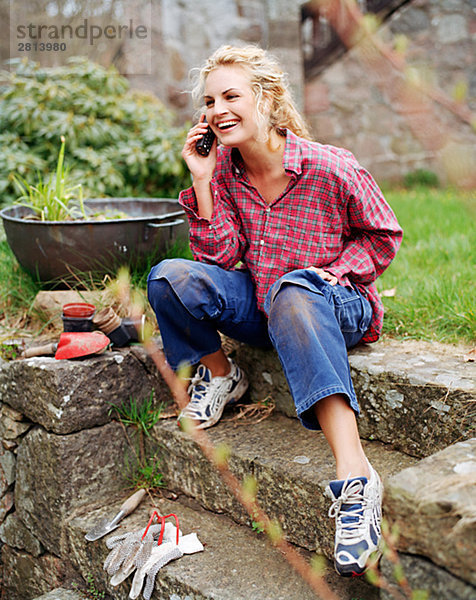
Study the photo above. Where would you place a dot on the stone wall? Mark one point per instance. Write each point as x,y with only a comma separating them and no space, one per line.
61,454
349,104
185,33
361,108
62,459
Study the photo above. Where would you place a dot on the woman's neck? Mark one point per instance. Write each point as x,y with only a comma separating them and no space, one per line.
264,158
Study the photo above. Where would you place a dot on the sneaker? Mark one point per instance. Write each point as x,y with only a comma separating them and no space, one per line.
209,395
357,509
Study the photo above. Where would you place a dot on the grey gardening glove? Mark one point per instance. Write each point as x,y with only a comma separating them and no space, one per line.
125,547
159,557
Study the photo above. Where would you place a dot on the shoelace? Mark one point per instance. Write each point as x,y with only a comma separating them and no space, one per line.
350,519
197,378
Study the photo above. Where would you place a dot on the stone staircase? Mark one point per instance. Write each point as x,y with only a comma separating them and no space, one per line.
418,413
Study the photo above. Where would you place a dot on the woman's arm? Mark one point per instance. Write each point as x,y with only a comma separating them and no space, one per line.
215,227
218,240
375,234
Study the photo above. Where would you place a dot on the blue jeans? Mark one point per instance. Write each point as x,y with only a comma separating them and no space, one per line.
310,323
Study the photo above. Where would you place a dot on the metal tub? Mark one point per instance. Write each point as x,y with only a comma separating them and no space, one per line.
54,250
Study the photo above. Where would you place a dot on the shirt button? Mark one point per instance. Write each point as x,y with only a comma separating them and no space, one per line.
268,209
261,243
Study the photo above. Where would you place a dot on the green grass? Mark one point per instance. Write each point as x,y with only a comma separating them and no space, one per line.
142,471
17,289
142,415
434,271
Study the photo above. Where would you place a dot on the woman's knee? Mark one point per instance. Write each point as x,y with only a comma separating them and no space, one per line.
162,278
158,293
171,269
195,285
290,307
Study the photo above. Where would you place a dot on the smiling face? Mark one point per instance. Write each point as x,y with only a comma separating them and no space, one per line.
231,105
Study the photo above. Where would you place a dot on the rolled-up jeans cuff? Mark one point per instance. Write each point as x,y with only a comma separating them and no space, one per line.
305,411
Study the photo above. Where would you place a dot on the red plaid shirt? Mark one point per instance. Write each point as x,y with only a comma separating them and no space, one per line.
332,215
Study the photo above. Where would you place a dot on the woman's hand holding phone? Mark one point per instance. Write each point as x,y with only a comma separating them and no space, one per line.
200,164
201,167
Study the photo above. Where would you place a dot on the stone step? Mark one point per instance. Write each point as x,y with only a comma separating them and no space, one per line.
59,412
291,465
65,396
423,574
236,564
433,503
419,397
291,478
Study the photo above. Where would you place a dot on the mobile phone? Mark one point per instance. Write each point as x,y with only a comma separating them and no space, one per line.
205,143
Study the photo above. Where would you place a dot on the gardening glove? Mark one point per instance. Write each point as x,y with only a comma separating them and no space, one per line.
160,556
138,552
169,535
138,555
123,547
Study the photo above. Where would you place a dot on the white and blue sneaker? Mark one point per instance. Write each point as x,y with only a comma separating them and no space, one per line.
357,509
209,395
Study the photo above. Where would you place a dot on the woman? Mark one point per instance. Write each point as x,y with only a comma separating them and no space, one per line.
312,232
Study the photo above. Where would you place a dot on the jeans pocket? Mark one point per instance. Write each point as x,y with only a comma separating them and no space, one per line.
353,311
367,313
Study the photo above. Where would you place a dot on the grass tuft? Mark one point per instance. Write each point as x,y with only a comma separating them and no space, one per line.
17,290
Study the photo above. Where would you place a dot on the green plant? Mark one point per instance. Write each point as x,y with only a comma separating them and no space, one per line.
121,142
421,178
9,351
144,475
17,290
142,471
141,415
55,199
91,593
257,526
428,289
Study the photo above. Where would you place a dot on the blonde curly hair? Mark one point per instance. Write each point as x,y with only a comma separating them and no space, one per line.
268,81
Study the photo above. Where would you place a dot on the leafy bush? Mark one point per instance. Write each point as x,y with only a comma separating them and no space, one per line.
120,142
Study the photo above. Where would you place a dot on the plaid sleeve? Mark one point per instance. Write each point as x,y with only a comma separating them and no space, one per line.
375,234
220,240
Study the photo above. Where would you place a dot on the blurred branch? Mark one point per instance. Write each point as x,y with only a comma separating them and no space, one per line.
218,457
356,30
